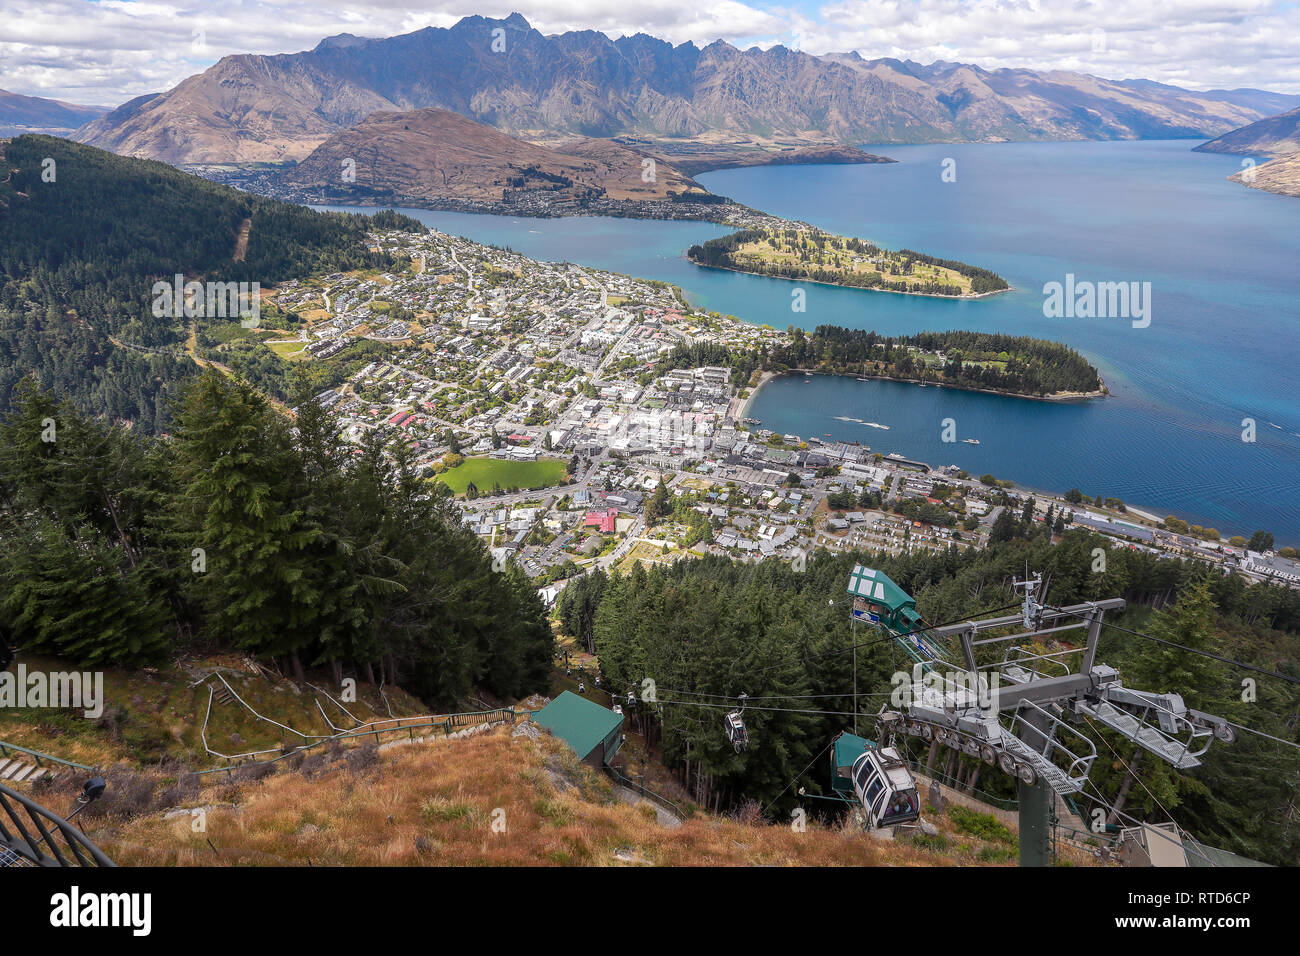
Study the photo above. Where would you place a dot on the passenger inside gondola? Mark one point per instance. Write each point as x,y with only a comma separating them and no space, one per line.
902,807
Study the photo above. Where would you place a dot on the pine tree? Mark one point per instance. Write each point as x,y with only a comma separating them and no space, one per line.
75,596
241,490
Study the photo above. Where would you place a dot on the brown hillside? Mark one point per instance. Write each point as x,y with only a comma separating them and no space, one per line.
435,804
437,154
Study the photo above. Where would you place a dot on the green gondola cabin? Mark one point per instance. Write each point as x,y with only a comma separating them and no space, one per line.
845,749
879,600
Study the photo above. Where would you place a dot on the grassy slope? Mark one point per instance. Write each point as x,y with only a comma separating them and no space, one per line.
154,715
434,804
431,803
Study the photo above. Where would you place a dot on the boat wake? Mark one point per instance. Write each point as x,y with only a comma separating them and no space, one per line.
859,421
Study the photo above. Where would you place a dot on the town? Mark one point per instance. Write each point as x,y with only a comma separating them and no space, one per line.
549,398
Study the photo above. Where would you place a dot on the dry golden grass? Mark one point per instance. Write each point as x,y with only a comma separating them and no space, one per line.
436,805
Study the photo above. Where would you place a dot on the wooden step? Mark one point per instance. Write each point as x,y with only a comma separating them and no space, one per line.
14,771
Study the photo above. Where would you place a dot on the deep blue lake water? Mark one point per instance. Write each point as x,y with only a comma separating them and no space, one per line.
1222,345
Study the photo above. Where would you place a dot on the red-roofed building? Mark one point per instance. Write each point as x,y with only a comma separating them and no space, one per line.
604,520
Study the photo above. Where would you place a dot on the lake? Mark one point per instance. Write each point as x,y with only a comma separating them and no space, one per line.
1221,346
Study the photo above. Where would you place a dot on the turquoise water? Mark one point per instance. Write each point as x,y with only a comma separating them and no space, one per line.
1223,262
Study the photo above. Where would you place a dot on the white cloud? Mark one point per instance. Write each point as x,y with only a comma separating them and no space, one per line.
106,52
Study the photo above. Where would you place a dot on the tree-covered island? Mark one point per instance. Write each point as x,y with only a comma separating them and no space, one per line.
798,252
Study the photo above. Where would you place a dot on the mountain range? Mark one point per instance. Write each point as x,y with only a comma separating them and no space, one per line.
1272,136
503,73
35,114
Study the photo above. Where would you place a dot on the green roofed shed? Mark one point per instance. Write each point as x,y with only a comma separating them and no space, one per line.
594,732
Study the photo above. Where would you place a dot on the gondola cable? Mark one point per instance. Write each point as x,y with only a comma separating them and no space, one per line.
1190,650
797,776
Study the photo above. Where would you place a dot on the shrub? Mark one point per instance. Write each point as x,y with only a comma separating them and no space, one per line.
982,825
361,758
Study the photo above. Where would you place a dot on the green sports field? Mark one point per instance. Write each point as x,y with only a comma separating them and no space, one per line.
485,472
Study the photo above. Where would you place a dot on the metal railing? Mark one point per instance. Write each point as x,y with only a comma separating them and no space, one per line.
361,729
333,726
45,839
448,724
39,757
1178,729
1018,656
203,736
644,791
1048,742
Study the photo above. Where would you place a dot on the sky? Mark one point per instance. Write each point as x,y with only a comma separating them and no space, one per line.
104,52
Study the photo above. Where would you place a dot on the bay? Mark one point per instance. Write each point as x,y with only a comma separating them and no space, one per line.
1223,262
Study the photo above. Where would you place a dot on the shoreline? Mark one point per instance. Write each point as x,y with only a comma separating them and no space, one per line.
753,393
857,288
746,406
1054,397
705,208
825,154
1143,515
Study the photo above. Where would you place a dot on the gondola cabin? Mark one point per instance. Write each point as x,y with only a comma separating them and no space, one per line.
736,733
876,778
879,600
734,725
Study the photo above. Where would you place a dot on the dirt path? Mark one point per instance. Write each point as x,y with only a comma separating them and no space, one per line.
191,349
241,241
137,348
628,796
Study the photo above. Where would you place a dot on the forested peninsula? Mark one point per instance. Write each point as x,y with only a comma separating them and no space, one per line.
1006,364
799,252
